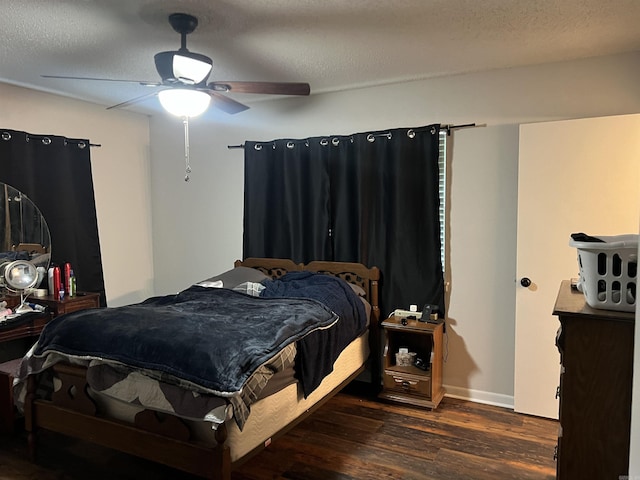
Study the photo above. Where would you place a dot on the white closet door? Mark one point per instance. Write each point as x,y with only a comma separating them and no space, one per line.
574,176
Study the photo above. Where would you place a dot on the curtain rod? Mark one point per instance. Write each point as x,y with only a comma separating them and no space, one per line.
447,128
46,140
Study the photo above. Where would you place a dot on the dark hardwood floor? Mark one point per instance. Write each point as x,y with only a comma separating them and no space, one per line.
349,438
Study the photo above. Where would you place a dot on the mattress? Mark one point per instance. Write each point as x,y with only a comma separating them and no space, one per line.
269,414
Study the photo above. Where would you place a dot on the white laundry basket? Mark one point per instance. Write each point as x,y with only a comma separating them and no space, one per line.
609,271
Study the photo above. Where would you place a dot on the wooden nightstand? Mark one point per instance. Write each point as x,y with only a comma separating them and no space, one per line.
31,326
410,384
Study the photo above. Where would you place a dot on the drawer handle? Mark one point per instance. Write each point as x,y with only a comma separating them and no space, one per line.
404,383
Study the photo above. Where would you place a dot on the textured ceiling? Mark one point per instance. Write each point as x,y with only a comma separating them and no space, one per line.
331,44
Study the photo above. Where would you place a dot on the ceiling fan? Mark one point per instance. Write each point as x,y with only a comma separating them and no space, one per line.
183,89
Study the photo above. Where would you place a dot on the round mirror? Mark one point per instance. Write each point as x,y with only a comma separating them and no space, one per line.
24,234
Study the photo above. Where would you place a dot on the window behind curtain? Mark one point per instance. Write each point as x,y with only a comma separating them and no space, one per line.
442,192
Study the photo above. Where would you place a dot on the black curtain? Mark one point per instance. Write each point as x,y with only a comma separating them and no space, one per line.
287,202
55,173
369,197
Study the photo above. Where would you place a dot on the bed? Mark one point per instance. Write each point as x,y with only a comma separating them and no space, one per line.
211,449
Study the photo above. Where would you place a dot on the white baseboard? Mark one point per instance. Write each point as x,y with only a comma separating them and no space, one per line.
479,396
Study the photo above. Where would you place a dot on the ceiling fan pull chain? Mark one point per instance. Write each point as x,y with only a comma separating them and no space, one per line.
185,121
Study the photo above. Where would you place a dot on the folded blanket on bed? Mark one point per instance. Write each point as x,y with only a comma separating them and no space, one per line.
213,338
318,351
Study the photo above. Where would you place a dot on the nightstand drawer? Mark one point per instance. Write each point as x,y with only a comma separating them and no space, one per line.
407,384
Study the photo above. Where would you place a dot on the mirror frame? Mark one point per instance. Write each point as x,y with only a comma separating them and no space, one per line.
24,233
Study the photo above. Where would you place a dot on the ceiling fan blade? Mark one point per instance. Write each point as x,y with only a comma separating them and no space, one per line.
271,88
133,101
227,104
141,82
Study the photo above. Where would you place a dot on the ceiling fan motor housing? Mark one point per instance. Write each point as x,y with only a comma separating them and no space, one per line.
183,66
167,65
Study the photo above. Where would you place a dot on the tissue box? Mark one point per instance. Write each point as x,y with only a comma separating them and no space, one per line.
405,359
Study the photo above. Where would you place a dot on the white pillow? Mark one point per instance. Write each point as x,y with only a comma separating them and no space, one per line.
234,277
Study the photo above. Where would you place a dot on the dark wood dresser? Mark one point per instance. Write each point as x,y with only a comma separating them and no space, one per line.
596,356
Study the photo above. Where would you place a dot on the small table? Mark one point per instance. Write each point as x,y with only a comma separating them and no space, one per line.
30,325
25,326
410,384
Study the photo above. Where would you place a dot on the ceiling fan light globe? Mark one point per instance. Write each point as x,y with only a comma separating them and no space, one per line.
184,102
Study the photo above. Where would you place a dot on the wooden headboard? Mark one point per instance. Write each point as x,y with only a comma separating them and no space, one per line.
272,267
355,273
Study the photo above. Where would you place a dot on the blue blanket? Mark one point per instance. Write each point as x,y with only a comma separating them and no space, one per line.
318,351
214,338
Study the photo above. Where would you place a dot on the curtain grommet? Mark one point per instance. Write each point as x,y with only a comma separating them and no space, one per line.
258,146
46,141
335,141
290,145
6,136
324,142
371,138
411,133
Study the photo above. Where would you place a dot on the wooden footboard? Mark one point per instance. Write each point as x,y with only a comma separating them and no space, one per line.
164,438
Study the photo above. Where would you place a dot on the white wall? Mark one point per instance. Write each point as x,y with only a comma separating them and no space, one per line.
198,225
120,178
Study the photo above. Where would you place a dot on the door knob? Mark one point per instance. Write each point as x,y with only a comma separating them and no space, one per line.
525,282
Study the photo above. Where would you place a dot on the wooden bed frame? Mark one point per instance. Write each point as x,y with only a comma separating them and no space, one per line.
165,440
